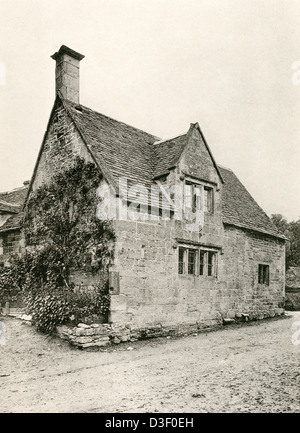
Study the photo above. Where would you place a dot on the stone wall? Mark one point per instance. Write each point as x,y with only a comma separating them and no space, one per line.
61,146
101,335
151,293
149,297
241,292
11,242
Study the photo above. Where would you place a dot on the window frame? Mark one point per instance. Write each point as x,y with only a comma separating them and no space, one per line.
190,198
191,252
181,263
263,274
208,200
200,267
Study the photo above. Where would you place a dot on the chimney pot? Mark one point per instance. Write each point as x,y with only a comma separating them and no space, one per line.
67,73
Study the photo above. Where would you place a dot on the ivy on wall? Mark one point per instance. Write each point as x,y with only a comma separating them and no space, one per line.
62,215
62,234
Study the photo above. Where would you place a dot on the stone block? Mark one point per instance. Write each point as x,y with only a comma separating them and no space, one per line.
118,303
79,332
83,325
81,340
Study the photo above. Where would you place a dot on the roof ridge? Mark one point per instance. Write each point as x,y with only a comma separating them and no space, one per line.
169,139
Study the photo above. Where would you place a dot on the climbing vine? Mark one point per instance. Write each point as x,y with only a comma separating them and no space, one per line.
62,215
63,234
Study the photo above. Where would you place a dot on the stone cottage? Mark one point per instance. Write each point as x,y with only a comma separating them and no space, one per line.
187,263
11,203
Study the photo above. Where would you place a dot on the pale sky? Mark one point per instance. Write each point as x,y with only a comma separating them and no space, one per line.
160,65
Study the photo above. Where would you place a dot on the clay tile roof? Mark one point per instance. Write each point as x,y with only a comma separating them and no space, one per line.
240,209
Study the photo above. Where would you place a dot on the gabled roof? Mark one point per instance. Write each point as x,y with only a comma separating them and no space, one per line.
167,153
240,209
13,202
124,150
121,150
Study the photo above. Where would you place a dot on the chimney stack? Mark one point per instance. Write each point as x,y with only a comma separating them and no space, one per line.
67,73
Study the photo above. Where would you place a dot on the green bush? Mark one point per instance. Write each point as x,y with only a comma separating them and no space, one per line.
50,308
95,302
62,234
9,292
13,279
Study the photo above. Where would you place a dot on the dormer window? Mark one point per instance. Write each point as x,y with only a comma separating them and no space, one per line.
193,199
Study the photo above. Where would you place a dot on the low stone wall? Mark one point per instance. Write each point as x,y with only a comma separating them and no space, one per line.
101,335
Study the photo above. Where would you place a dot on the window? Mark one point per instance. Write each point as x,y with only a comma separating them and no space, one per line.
201,262
188,195
263,274
181,261
210,263
197,261
191,262
193,199
208,199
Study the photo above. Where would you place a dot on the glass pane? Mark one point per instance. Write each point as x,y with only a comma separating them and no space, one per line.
188,199
259,274
205,200
210,263
201,269
191,261
267,275
181,261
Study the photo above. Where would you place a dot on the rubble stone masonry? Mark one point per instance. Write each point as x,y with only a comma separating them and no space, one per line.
148,296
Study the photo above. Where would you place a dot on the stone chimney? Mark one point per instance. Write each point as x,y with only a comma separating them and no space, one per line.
67,73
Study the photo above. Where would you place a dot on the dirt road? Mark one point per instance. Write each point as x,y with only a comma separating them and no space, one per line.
249,368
